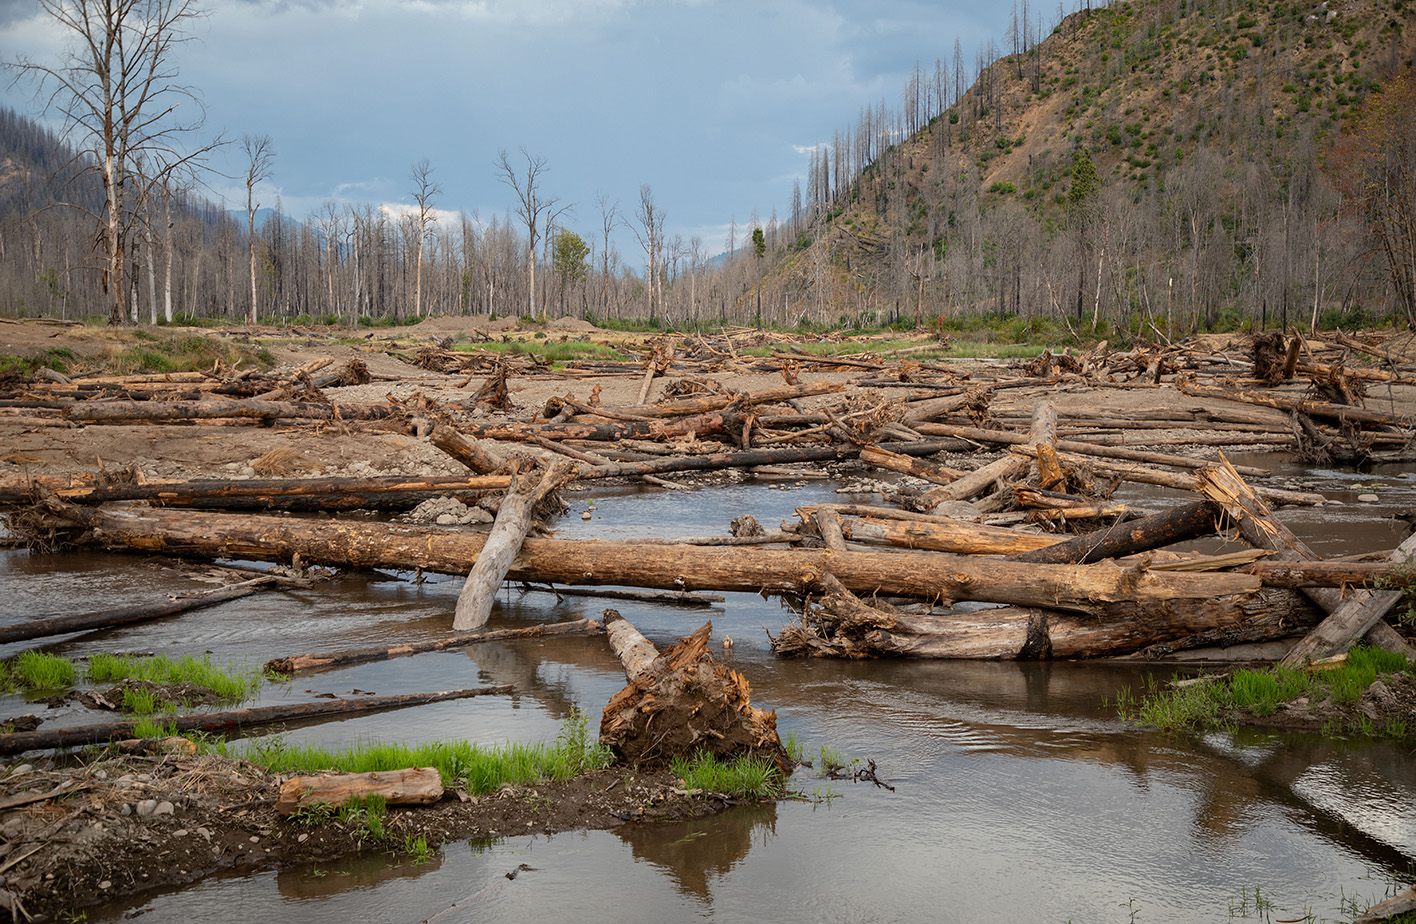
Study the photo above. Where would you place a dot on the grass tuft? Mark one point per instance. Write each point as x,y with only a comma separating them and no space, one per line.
743,777
36,670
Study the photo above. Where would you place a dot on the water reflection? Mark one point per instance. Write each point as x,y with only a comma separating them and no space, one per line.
700,853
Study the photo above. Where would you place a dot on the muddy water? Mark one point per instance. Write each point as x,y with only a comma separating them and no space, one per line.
1019,795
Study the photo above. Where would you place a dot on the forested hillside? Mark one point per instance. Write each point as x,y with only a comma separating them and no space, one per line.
1167,164
1154,160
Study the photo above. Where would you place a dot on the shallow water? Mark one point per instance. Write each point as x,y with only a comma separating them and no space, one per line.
1018,796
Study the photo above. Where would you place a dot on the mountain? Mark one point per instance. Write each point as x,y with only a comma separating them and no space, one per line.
1207,123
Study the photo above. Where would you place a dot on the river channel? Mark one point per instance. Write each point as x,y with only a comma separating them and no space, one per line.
1019,795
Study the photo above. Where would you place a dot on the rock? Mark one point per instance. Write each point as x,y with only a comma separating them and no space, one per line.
147,807
164,808
959,510
1368,499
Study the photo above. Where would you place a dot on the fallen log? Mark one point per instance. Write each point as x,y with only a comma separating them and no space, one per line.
1153,532
1340,412
682,702
390,492
1011,633
1349,618
908,465
330,660
410,786
957,536
929,576
83,735
129,615
1043,430
98,412
515,518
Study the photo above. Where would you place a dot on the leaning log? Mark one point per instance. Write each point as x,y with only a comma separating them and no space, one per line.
1349,617
515,518
343,657
681,702
930,576
129,615
410,786
82,735
1153,532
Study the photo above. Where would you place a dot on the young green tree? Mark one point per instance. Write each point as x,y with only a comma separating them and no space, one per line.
759,243
1083,216
568,261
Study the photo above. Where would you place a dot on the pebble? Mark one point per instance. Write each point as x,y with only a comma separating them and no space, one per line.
1368,499
147,807
302,838
106,884
164,808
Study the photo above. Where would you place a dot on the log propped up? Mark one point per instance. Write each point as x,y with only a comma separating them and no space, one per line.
681,702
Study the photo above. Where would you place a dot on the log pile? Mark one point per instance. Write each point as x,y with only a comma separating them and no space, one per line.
1010,547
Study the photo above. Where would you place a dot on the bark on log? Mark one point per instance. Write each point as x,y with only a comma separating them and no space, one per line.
125,616
478,455
82,735
929,576
958,536
121,411
410,786
392,492
681,702
908,465
1153,532
1036,633
343,657
515,518
1043,430
705,403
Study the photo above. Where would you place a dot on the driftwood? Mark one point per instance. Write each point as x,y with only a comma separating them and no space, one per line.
1044,430
330,660
107,619
515,518
411,786
82,735
929,576
1156,531
681,702
1349,618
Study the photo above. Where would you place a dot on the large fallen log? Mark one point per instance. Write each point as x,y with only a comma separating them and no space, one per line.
343,657
1153,532
129,615
957,536
682,702
929,576
390,492
82,735
253,409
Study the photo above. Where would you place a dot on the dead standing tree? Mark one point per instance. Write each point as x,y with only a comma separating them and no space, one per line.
116,86
533,206
260,151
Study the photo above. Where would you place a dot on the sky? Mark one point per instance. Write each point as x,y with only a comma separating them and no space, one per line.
715,104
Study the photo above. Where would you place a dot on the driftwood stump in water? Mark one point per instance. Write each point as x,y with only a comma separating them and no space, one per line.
681,702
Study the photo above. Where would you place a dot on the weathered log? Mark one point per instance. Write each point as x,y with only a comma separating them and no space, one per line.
118,411
1082,588
828,524
1348,618
1077,447
515,518
729,420
682,702
1340,412
908,465
128,615
1155,531
410,786
81,735
956,536
389,492
1036,633
330,660
705,403
477,455
1043,430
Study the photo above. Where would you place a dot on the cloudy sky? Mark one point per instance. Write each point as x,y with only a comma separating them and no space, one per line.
713,103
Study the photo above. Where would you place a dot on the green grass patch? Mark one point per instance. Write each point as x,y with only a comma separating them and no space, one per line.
742,777
230,684
162,353
1204,705
154,728
551,351
461,763
36,670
